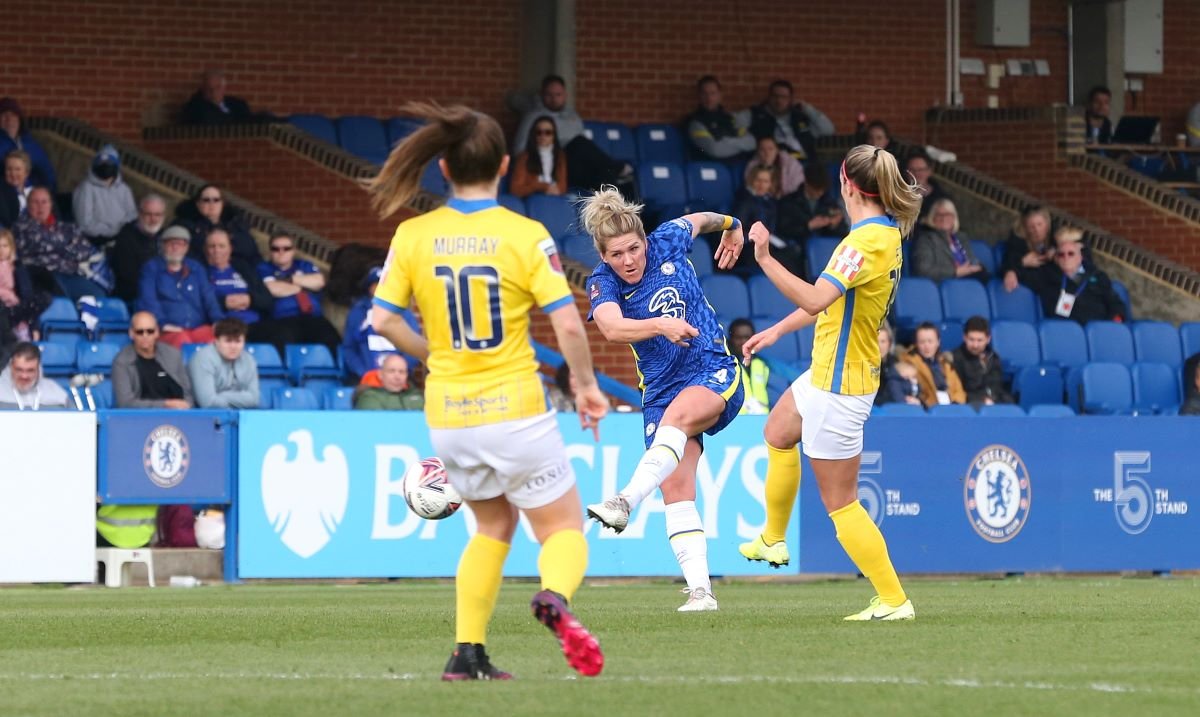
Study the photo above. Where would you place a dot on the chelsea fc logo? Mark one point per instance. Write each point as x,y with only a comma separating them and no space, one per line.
997,494
166,456
668,268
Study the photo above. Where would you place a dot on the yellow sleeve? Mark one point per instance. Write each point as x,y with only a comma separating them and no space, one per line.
394,292
848,267
547,282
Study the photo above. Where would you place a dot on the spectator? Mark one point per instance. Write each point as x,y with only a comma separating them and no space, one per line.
876,134
1069,290
295,284
1028,248
713,132
897,379
755,373
939,382
1191,404
1099,127
395,393
210,105
103,202
542,167
787,174
14,190
176,291
207,211
148,373
794,124
235,282
588,166
561,393
812,211
55,250
20,303
978,366
137,243
920,168
362,349
941,251
22,385
15,137
757,203
223,374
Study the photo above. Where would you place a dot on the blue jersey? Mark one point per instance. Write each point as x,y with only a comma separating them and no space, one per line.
669,287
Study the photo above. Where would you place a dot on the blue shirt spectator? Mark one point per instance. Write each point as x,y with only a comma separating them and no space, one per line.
362,349
175,289
293,282
14,136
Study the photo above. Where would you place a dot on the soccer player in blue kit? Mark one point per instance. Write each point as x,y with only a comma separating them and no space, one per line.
645,293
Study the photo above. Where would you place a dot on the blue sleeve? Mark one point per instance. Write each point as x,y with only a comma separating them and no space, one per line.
601,289
266,270
212,307
673,239
148,292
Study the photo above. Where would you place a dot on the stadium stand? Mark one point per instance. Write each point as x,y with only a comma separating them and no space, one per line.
556,213
1109,342
291,398
1157,341
1106,389
659,143
1156,389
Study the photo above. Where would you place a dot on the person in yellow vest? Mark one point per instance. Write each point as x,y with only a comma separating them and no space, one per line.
757,372
125,526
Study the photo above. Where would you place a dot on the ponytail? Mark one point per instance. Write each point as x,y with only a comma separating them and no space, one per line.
876,175
607,215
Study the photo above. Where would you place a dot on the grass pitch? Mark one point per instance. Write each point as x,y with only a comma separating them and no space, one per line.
1012,647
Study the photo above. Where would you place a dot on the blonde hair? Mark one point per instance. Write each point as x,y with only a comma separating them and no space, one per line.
939,205
21,155
7,236
607,215
874,172
1068,235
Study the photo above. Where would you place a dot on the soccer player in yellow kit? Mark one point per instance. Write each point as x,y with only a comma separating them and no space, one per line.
829,404
476,270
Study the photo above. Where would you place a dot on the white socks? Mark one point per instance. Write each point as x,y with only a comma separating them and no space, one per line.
658,462
686,535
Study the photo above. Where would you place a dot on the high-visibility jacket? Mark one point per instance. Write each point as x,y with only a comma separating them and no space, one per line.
756,377
127,526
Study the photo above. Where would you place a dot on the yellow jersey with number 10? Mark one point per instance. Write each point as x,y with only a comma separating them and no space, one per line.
866,268
475,271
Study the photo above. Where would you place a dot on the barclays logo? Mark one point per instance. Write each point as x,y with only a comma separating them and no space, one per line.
305,499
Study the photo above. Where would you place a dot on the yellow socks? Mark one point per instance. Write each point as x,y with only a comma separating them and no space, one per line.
476,587
563,561
863,542
783,481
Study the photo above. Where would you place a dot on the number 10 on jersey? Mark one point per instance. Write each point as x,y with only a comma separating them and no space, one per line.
462,314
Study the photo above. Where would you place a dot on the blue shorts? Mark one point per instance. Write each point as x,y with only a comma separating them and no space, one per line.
723,376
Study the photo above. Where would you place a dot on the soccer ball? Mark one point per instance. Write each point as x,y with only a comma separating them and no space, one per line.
428,492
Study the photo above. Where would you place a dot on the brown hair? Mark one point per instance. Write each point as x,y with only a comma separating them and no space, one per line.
471,143
606,215
21,155
7,236
876,175
231,327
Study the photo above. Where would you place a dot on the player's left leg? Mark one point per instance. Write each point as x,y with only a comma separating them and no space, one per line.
782,435
685,531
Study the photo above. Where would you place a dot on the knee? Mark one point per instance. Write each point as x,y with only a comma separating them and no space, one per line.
778,438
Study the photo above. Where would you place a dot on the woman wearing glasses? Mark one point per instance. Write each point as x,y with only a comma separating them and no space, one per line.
542,167
206,211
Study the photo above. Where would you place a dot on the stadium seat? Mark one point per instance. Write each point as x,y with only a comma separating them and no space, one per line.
58,359
953,410
1020,304
189,350
270,365
318,126
766,300
817,252
266,390
964,298
294,399
614,138
1017,344
338,398
320,385
306,361
1050,410
701,258
69,340
999,249
1156,389
983,252
951,333
1157,341
727,294
364,137
60,316
1124,294
115,338
112,316
659,143
663,188
581,248
709,187
556,213
398,128
805,338
1002,410
1106,389
101,396
1038,385
777,385
1109,341
432,180
1063,343
95,357
512,203
901,409
917,300
1189,337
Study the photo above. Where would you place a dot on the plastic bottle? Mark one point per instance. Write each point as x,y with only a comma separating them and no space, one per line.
184,581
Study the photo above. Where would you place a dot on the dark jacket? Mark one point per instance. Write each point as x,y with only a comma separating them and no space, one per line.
763,123
199,110
43,171
1095,299
10,205
796,211
933,259
981,376
893,388
127,384
715,135
1015,249
133,248
232,221
185,299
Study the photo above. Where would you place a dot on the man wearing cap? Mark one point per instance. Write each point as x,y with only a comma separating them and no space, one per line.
14,136
362,348
176,290
103,202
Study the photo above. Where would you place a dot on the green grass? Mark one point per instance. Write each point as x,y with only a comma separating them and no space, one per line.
1013,647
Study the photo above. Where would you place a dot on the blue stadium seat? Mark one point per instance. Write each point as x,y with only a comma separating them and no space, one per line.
512,203
951,332
805,338
917,300
983,252
817,252
620,143
777,385
1050,410
1124,294
112,316
1189,338
432,180
786,349
294,399
1038,384
1063,343
1021,304
1002,410
581,248
659,143
953,410
1109,341
58,359
318,126
1147,164
189,350
69,340
766,300
399,128
964,298
906,264
663,188
320,385
270,364
901,409
1156,389
1017,344
709,187
556,213
62,316
95,356
701,258
102,394
364,137
727,294
1106,389
1157,341
115,338
999,249
338,398
306,361
266,390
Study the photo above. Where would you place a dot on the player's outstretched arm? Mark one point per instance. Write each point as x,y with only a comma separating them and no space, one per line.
794,321
394,328
590,402
812,298
620,330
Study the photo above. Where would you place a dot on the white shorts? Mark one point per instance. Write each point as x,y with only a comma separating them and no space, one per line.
832,426
523,460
